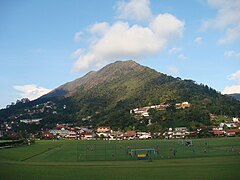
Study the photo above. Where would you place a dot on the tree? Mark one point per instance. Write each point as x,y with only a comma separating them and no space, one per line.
154,129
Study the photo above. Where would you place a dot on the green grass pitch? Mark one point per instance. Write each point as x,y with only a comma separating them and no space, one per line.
217,158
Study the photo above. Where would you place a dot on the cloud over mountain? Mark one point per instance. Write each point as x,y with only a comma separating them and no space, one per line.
227,19
31,91
122,40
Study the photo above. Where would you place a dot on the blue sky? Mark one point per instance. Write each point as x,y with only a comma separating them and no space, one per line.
46,43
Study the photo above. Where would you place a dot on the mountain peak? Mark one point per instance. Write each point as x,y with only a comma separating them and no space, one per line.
123,66
108,73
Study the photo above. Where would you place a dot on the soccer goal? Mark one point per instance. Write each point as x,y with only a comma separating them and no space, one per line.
143,154
180,141
188,143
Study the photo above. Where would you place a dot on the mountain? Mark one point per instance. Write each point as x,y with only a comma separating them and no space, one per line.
92,79
105,97
236,96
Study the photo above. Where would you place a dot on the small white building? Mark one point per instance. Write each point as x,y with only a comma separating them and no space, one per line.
177,133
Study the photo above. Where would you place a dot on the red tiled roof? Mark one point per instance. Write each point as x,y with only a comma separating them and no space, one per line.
216,132
87,133
130,133
233,130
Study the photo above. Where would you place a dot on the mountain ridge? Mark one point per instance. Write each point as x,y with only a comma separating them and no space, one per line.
94,78
235,95
107,96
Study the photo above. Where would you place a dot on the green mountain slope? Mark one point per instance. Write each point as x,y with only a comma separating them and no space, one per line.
106,96
236,96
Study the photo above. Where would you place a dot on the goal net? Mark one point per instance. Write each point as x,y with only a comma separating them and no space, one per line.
143,154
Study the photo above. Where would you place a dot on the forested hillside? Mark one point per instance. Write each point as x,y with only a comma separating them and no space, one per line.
105,97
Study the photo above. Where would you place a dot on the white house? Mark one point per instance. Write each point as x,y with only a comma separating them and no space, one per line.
177,133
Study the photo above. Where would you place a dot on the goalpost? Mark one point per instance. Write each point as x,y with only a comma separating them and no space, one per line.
143,154
186,142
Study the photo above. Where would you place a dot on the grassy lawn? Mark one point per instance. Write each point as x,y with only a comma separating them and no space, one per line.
206,159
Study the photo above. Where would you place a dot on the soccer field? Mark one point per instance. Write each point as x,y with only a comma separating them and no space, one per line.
172,159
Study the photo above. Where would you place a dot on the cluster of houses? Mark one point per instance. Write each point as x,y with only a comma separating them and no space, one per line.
83,133
143,111
63,131
47,107
177,133
31,121
231,128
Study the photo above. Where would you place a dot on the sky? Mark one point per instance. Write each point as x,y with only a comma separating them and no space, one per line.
44,44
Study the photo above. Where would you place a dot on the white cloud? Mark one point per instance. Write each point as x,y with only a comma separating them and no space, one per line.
77,53
235,76
234,88
198,40
31,91
77,36
119,40
122,41
232,54
232,35
182,57
167,26
231,89
227,19
174,50
134,9
100,28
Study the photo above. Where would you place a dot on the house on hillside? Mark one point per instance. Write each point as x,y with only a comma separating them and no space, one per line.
71,135
182,105
60,133
217,133
116,136
87,135
129,135
141,111
46,135
31,121
143,135
104,129
232,132
180,132
177,133
236,120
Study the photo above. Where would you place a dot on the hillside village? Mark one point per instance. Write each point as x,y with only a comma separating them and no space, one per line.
224,127
133,101
144,110
68,131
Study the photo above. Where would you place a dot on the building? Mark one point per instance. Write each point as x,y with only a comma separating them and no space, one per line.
31,121
130,135
46,135
182,105
232,132
87,135
71,135
217,133
103,129
177,133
